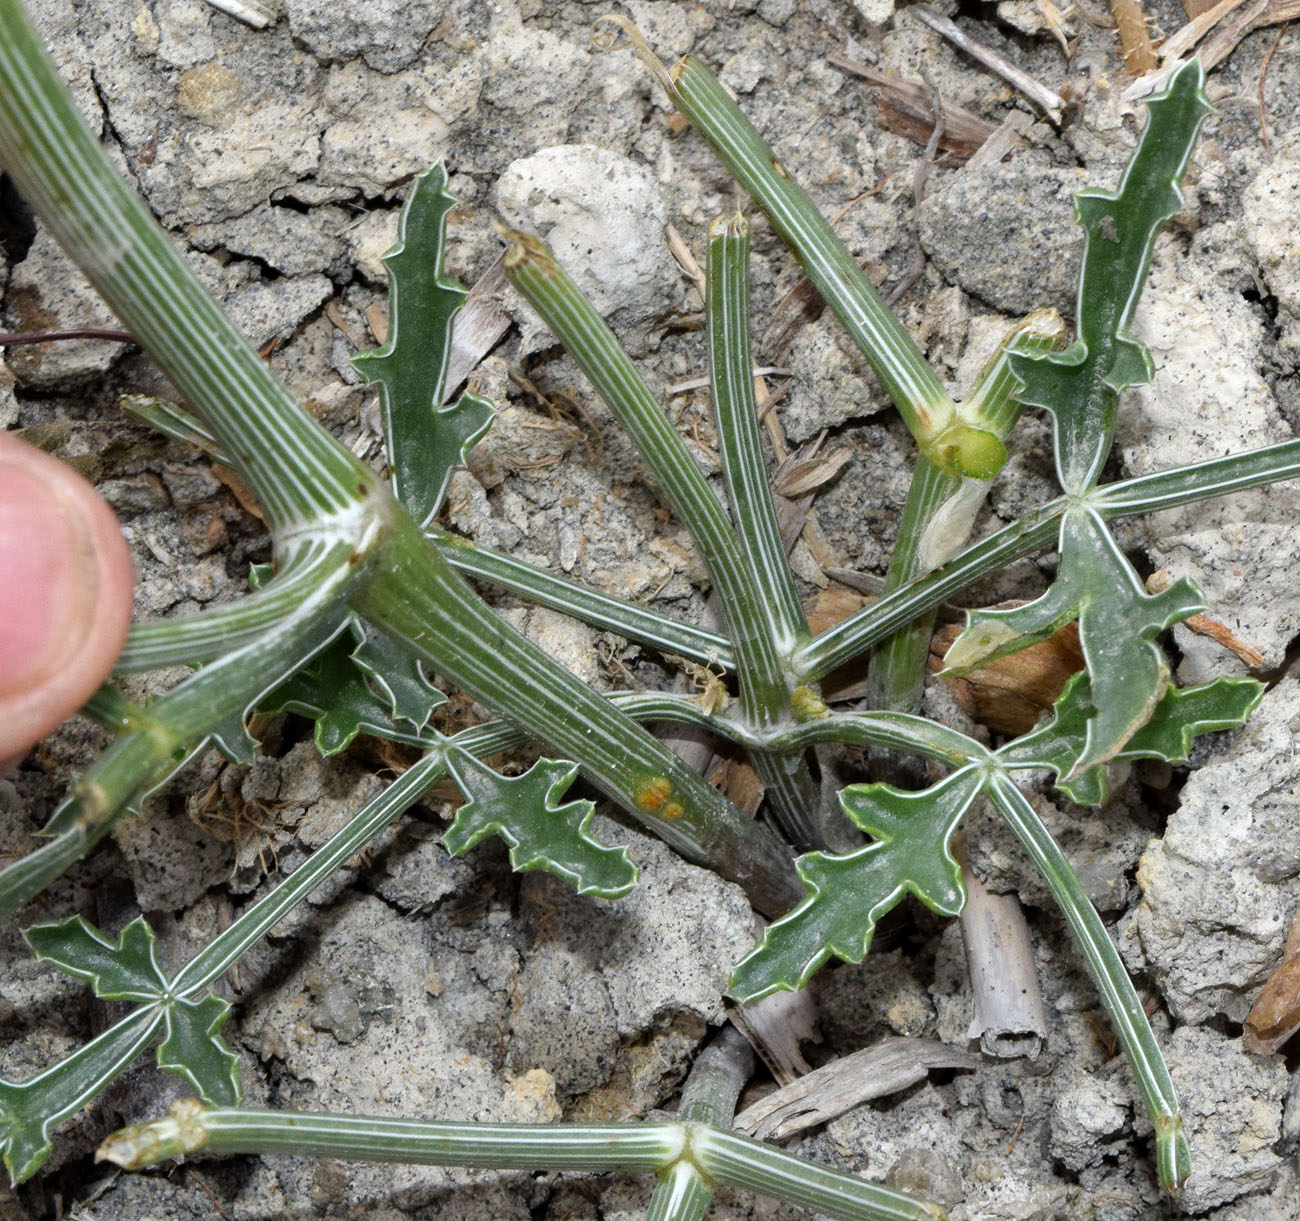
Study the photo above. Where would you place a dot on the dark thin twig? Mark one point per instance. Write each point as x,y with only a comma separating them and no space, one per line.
1263,108
15,338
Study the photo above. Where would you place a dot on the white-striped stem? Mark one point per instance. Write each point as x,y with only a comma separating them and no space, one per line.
708,1097
896,676
749,488
925,406
416,596
532,269
835,273
1136,1038
653,1147
792,793
682,1194
1187,484
591,606
760,666
200,638
299,471
941,509
496,1146
738,1161
232,943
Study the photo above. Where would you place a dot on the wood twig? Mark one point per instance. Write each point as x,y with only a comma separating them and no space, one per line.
1047,100
1134,40
884,1068
13,339
906,108
1010,1021
1223,27
1259,91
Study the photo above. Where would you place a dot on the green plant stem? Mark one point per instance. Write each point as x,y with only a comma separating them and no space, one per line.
496,1146
532,269
301,474
1173,1158
418,598
1218,477
231,944
925,406
1036,530
765,686
940,511
203,637
738,1161
881,618
896,676
656,1147
735,414
792,794
709,1097
682,1194
592,606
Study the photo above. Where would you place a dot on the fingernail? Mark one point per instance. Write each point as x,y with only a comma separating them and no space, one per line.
47,577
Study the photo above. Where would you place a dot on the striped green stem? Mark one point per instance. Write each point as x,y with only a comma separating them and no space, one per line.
880,619
224,950
496,1146
1218,477
192,640
792,793
648,1147
739,1161
941,509
709,1097
749,488
300,472
417,597
909,381
592,606
532,269
1173,1158
761,672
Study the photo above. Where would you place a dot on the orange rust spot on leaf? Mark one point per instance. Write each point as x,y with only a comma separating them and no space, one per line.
651,794
672,810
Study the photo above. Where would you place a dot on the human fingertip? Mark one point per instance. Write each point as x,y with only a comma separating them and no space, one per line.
65,593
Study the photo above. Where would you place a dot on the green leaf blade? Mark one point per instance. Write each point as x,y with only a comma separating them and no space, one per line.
193,1049
121,970
541,834
1180,716
848,894
425,440
362,682
1079,386
1118,625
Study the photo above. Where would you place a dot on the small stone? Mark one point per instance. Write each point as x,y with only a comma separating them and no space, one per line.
925,1172
1084,1116
208,92
603,217
1006,233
